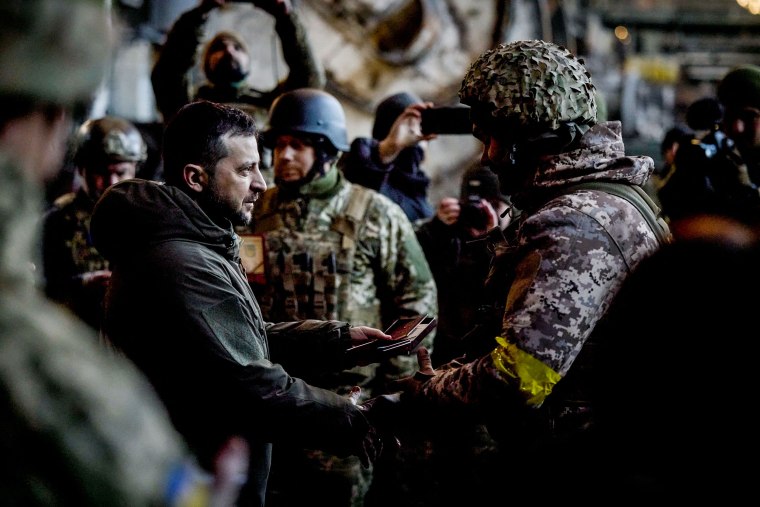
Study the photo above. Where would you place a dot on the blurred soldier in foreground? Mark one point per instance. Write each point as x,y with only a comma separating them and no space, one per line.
107,150
585,224
80,426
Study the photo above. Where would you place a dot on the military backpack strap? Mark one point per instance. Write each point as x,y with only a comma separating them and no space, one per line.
349,222
268,219
636,196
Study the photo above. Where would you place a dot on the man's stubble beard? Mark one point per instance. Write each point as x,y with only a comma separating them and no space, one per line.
219,210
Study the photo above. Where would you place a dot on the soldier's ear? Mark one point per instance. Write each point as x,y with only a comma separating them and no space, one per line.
195,177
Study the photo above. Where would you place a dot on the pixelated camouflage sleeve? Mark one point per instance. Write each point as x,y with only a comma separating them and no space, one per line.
571,260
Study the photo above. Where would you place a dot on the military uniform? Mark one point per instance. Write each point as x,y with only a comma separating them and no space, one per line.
555,270
69,255
81,427
381,273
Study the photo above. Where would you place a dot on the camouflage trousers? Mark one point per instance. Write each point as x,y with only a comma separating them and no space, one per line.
314,477
301,477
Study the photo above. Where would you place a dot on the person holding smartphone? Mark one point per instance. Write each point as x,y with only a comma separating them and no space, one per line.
391,160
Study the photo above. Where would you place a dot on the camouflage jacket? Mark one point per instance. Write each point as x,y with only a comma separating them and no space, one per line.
384,271
553,276
68,254
171,74
179,305
81,426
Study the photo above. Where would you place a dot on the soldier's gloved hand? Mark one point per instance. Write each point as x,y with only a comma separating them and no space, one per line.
411,387
379,414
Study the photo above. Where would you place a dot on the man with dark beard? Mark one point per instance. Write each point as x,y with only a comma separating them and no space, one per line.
179,305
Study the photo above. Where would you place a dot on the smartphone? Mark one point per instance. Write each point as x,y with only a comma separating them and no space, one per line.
446,120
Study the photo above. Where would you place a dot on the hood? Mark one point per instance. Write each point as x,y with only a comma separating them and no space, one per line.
135,214
600,156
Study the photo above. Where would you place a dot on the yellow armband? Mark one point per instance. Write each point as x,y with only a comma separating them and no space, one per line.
534,379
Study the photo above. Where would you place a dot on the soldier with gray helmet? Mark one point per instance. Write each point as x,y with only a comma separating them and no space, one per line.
106,150
334,250
585,224
80,426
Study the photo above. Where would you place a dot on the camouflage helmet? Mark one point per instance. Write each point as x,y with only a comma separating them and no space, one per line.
308,111
106,140
53,50
532,83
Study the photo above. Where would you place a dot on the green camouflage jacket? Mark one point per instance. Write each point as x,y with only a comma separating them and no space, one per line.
80,425
383,270
68,255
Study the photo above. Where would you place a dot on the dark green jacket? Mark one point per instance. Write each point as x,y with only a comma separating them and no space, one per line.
180,306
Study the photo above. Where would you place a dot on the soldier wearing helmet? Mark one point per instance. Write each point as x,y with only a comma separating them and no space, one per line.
106,150
584,225
334,250
81,426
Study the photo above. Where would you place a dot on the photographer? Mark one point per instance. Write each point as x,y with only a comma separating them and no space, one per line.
717,173
459,262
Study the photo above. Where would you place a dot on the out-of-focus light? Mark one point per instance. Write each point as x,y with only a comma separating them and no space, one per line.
621,33
752,6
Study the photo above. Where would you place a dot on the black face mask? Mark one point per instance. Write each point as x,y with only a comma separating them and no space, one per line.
227,71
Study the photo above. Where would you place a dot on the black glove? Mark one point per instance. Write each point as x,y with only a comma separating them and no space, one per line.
379,413
383,415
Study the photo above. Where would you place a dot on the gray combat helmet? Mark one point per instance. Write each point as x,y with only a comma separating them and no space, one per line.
531,83
53,50
307,111
108,139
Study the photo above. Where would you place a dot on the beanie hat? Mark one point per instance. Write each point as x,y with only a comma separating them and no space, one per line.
740,87
214,44
390,109
483,182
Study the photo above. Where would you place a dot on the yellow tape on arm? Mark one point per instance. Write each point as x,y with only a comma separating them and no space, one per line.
534,379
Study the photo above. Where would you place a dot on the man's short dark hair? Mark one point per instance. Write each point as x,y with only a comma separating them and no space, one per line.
194,136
